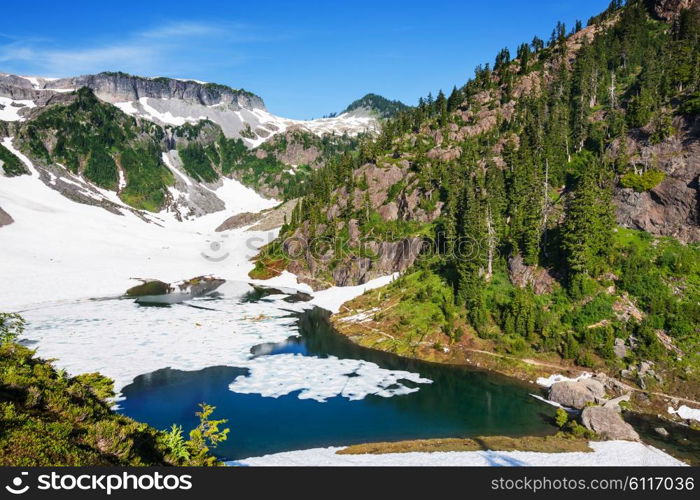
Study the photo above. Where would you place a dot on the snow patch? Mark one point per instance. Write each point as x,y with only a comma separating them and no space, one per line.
166,117
605,453
10,108
686,412
553,403
334,297
552,379
127,107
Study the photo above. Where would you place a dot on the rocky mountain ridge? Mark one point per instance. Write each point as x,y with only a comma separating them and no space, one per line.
200,132
170,101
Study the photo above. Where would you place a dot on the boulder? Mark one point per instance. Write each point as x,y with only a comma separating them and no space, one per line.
661,432
578,393
522,275
620,348
608,424
5,218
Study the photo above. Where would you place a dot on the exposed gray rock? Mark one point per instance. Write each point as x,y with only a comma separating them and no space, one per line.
5,218
661,432
522,275
671,208
159,292
607,423
275,217
119,87
625,309
264,220
669,9
620,348
576,394
615,402
612,385
239,220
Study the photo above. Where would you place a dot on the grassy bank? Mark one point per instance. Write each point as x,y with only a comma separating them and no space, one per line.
545,444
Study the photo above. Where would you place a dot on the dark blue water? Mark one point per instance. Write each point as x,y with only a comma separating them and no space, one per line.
459,402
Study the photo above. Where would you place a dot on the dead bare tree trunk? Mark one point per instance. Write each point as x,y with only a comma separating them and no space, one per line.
491,243
613,100
545,205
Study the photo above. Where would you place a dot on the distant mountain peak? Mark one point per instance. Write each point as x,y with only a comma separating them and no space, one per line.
373,104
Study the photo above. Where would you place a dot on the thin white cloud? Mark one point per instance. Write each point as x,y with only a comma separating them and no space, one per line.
175,48
185,28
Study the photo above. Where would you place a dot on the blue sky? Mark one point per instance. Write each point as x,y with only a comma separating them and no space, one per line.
305,59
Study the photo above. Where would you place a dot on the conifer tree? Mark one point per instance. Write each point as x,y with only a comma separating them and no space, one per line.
590,219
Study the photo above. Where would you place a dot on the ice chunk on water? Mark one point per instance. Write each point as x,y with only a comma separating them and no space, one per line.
322,378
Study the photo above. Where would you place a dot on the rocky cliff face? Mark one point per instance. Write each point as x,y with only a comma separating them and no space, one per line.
672,208
669,9
119,87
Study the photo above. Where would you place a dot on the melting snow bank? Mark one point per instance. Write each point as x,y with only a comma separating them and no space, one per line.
331,298
605,453
686,412
553,379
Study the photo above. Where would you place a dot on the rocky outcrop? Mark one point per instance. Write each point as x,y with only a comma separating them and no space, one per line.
391,257
321,265
608,423
577,394
669,9
16,87
625,309
158,292
5,218
239,220
120,87
260,221
673,207
522,275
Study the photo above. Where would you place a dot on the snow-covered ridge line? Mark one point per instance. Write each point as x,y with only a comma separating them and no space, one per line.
176,101
243,122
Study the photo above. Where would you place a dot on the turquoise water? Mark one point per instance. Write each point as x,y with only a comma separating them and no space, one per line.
459,402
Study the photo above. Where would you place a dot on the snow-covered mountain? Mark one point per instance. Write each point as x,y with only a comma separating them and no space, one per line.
170,101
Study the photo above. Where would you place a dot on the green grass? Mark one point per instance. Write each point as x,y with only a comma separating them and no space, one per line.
540,444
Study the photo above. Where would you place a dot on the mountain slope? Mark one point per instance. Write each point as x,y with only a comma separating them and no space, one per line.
161,143
499,203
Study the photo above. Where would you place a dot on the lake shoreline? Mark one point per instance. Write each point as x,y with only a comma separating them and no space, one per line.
510,367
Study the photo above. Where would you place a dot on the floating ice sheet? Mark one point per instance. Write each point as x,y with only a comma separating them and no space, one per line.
322,378
122,340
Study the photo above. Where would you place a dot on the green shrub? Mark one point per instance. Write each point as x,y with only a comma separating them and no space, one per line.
11,327
51,419
642,182
11,165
